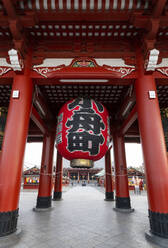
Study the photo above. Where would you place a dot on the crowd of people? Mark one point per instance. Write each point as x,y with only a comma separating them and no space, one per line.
138,185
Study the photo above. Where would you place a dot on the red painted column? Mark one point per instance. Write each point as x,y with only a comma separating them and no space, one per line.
154,151
58,179
121,178
13,148
45,184
109,194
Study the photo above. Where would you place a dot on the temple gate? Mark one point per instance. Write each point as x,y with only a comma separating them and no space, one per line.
114,52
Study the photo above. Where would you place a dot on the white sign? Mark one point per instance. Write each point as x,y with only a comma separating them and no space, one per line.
15,94
152,94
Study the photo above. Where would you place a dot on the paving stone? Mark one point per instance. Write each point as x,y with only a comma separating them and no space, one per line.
83,220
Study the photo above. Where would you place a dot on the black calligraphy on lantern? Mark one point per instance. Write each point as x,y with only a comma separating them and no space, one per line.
85,104
85,126
84,141
85,121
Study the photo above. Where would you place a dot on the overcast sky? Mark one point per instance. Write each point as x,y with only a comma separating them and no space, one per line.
34,150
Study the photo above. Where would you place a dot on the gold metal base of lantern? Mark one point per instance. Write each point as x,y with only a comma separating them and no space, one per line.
81,163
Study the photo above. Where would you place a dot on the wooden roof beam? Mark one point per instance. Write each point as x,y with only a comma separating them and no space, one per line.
74,16
30,19
34,139
151,24
16,29
15,26
38,121
10,9
133,131
26,21
154,22
159,6
129,121
127,104
36,133
71,54
41,105
132,140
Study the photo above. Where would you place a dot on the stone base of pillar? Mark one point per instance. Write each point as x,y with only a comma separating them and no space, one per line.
123,202
57,196
43,202
42,210
124,210
109,196
158,224
161,242
11,239
8,222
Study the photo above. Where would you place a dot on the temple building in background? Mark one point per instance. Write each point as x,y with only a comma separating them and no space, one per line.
31,176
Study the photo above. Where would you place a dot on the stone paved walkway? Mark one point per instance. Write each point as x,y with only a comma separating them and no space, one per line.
83,220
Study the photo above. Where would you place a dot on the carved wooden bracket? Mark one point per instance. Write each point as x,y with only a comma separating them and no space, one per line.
4,70
163,70
84,65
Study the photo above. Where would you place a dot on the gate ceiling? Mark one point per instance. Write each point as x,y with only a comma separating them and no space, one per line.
83,28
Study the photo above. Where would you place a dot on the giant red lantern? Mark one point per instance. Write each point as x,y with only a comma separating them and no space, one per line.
83,130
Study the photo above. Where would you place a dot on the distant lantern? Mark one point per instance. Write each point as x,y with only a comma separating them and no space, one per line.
83,132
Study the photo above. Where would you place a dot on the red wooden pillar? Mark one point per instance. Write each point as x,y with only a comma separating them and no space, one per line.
154,151
109,194
121,178
45,184
58,179
13,150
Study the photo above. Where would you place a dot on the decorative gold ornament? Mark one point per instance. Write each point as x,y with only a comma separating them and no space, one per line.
81,163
